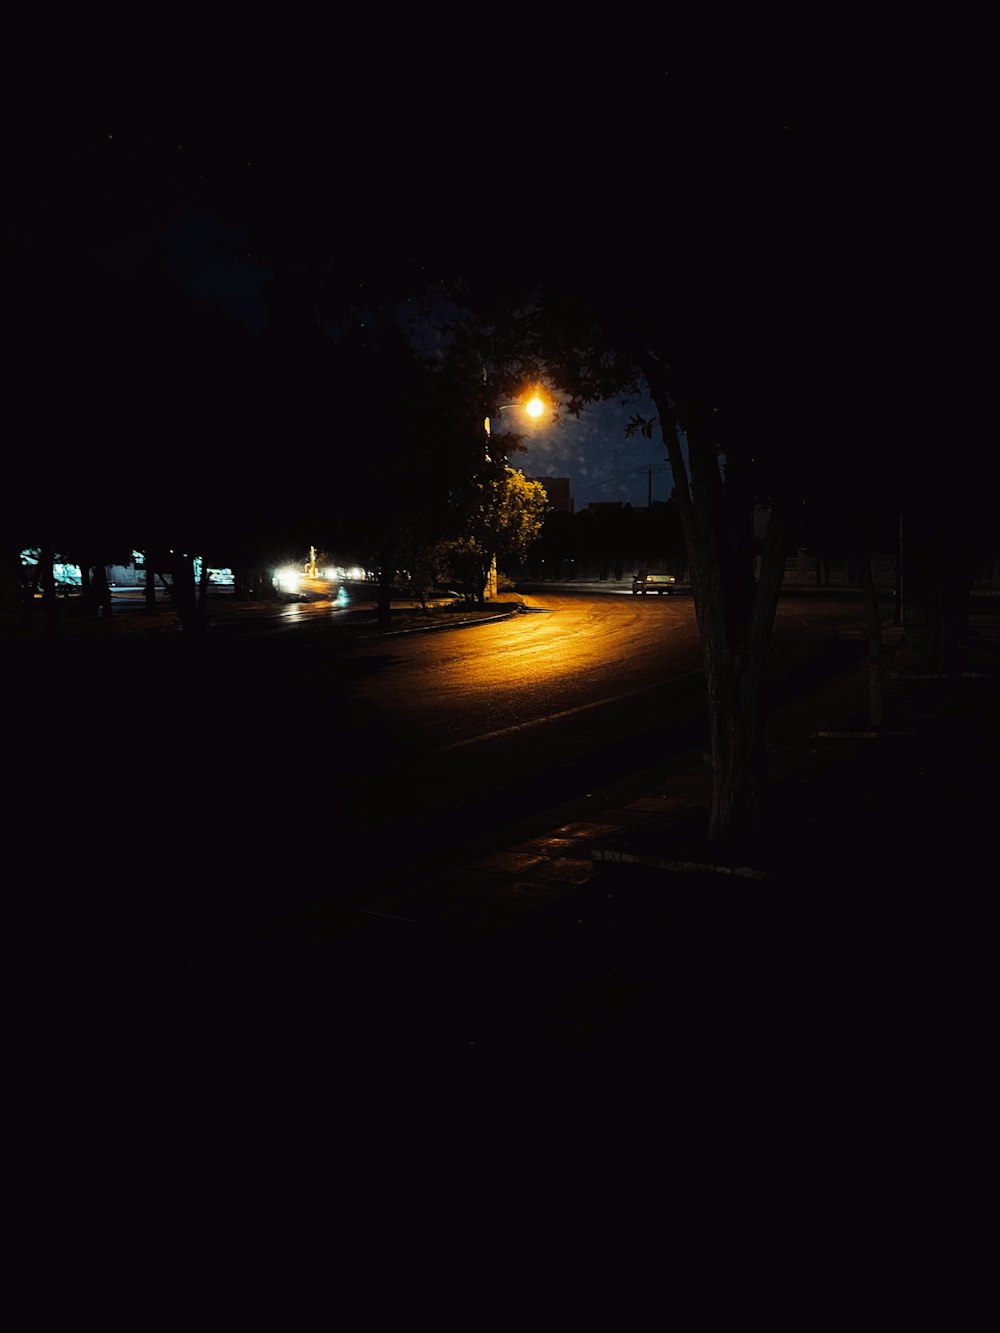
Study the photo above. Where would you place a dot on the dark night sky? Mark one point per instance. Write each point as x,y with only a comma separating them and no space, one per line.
795,174
108,198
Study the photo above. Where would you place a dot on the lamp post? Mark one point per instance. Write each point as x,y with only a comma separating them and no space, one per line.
534,407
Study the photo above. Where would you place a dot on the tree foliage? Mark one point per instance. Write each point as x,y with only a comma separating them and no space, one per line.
506,520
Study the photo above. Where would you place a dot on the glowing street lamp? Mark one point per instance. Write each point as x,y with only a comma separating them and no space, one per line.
534,407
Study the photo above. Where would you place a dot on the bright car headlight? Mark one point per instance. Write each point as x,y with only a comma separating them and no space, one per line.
288,580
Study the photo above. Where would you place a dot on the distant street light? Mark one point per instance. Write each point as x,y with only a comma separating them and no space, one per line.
534,407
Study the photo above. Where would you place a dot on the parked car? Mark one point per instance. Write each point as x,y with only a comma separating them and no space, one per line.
652,581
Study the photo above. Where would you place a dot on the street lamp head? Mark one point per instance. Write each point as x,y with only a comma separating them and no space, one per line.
535,407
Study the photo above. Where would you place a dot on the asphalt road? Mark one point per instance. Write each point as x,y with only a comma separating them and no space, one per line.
270,769
473,728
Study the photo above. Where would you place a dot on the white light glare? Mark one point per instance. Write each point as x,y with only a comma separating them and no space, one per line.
288,579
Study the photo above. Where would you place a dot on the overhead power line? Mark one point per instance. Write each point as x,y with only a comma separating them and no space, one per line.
648,468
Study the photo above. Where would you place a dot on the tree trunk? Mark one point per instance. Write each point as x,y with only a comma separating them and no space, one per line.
29,586
102,593
737,755
88,596
735,617
736,652
383,614
203,593
873,634
50,606
185,601
482,579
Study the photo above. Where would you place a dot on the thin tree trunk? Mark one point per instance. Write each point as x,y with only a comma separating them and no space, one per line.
29,586
384,602
203,593
736,671
50,606
102,592
88,595
873,634
185,601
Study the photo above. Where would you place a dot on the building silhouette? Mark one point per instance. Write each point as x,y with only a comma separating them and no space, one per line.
557,489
